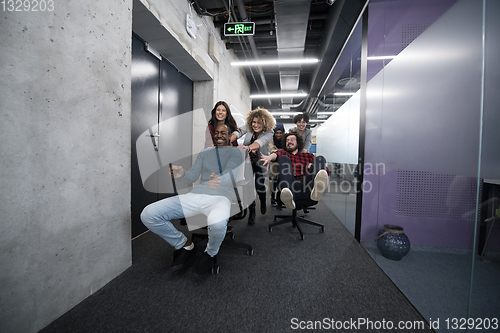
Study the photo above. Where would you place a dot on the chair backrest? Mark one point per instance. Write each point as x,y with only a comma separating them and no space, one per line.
245,187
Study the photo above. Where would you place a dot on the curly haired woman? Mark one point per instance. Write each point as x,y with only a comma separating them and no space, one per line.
258,131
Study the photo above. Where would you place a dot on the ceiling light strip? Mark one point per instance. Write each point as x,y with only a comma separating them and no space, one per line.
274,62
278,95
380,57
278,113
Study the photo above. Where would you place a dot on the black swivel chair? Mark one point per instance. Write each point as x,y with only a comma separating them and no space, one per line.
201,234
295,219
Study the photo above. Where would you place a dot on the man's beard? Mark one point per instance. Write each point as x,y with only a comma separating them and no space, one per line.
290,149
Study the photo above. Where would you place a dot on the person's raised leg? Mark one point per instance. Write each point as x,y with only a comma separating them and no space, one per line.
157,218
320,179
314,182
285,181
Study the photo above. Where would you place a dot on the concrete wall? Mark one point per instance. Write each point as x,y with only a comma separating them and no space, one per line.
65,157
65,153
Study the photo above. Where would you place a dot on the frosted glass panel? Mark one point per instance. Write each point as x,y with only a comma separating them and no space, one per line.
434,129
338,138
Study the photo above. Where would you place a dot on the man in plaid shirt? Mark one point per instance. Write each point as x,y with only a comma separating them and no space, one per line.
301,176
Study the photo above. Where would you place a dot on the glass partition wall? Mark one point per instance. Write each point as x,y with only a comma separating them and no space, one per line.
429,72
431,159
338,137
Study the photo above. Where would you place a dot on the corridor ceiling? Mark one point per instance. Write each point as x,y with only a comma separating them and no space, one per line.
287,29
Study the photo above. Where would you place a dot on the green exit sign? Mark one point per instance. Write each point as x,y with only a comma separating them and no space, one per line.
239,29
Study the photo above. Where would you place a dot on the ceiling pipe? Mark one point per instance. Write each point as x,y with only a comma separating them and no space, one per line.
264,35
324,71
292,17
253,47
244,47
343,46
263,21
333,18
268,46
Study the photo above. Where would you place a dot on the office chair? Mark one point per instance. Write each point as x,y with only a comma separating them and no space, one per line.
492,220
294,219
202,234
239,187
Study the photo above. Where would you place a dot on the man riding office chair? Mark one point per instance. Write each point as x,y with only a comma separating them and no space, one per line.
217,167
302,178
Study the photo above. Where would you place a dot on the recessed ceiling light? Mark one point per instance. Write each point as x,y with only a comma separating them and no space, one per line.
380,57
344,94
279,95
347,81
275,62
284,113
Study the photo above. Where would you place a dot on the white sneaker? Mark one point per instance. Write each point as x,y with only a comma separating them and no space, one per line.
287,198
320,185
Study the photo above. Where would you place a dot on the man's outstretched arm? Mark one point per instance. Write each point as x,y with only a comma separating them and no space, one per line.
268,159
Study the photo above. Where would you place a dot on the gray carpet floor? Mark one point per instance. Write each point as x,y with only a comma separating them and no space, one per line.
287,282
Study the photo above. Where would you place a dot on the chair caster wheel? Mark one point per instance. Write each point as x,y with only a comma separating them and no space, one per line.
270,229
250,252
301,237
215,270
232,236
323,229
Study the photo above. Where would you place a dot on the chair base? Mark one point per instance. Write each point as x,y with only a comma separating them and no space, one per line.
295,222
228,240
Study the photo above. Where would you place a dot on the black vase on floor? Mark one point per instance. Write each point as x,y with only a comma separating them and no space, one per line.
393,242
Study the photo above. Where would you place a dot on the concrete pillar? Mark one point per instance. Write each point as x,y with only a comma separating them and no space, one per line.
65,156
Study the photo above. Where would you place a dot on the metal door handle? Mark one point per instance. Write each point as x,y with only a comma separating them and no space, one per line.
155,141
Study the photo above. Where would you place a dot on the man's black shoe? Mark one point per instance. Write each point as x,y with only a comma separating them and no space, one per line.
204,265
273,202
263,207
181,257
251,217
251,213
